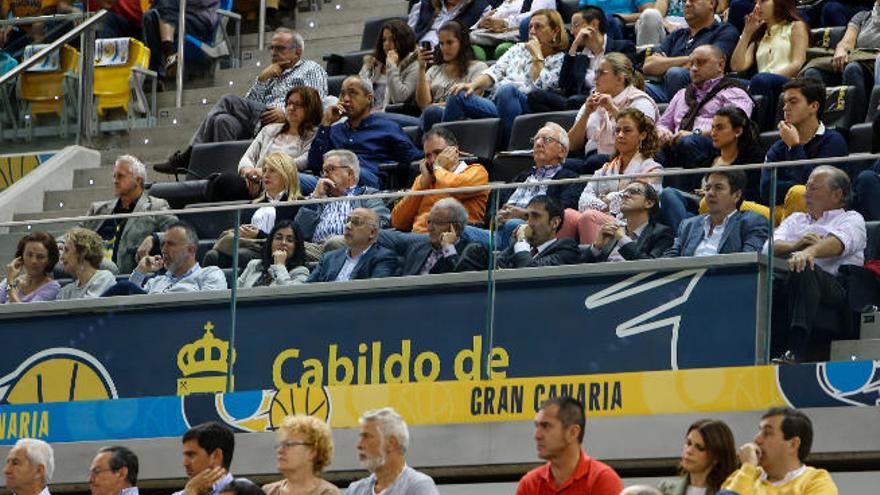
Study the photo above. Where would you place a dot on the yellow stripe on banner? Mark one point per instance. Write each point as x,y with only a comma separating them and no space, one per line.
622,394
14,167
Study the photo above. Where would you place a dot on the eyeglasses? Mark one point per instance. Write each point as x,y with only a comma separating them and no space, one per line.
294,105
544,140
289,444
97,471
633,191
439,222
280,48
357,221
603,72
330,168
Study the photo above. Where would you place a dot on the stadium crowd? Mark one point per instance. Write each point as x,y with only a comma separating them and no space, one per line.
773,462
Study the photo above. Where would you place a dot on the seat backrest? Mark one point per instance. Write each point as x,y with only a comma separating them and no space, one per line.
827,37
372,30
873,104
840,107
566,8
872,248
526,126
208,158
209,225
478,137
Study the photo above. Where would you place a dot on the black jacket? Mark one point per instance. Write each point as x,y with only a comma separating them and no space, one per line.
572,76
470,256
654,241
567,194
562,252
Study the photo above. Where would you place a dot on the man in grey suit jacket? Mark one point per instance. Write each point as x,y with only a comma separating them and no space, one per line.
444,251
536,243
361,258
123,236
724,229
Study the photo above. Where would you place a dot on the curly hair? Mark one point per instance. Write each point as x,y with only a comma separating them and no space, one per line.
47,241
89,245
403,36
651,143
316,433
312,108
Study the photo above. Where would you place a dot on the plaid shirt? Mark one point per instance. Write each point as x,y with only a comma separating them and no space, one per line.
333,218
524,194
272,91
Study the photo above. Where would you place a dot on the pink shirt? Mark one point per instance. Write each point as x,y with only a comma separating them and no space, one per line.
846,226
678,108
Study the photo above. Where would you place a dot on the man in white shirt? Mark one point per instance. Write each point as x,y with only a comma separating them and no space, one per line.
29,467
817,243
114,471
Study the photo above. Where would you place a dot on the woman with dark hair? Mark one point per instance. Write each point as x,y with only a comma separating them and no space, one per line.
241,487
27,276
283,259
456,65
775,41
707,459
635,144
393,67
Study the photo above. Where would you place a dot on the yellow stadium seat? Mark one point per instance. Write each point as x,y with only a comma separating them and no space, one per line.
114,84
47,93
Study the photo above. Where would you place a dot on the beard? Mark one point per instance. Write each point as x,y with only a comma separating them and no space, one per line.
372,463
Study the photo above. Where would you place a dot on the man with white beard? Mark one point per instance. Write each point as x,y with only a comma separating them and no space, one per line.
382,446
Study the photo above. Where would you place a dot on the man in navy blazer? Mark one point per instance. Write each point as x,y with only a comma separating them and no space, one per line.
536,243
444,251
724,229
361,258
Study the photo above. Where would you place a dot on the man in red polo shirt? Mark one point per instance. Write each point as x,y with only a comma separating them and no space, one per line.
559,432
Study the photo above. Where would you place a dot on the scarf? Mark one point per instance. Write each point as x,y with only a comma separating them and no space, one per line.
694,106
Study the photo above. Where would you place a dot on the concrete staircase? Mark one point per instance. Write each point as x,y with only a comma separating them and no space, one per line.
867,347
330,30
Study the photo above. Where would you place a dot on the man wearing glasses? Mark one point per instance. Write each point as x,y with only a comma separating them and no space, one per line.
360,258
114,471
234,118
323,224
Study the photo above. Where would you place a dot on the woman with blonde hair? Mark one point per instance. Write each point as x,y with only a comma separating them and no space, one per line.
304,449
81,256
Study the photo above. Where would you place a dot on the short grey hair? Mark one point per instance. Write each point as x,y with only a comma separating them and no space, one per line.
346,159
298,42
836,179
189,232
389,424
456,210
365,83
561,134
138,169
39,453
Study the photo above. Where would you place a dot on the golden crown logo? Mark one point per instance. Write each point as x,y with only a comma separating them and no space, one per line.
207,357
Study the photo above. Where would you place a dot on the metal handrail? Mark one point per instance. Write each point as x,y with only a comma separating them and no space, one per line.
73,33
19,21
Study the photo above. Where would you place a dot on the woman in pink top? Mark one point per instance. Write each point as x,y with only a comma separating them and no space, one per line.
635,143
28,275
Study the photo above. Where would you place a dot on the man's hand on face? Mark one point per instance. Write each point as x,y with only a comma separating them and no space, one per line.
750,453
324,188
448,238
789,134
150,264
524,233
203,483
448,158
332,114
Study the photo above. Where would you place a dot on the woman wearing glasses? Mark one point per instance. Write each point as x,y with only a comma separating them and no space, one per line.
304,449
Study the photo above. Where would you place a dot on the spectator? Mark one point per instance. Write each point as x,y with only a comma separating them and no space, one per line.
382,446
280,186
501,24
549,149
28,274
581,65
640,237
775,41
444,251
671,59
427,17
242,487
282,262
724,229
182,271
841,12
321,224
81,258
685,125
640,490
618,87
802,136
527,66
304,449
30,464
392,68
817,244
372,138
207,456
13,39
114,471
442,168
122,235
774,461
536,242
454,65
656,23
234,118
124,18
360,258
160,30
853,61
559,437
707,459
626,11
599,204
735,137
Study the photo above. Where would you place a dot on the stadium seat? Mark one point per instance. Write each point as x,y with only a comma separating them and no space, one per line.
526,126
209,225
478,137
415,135
861,135
51,93
350,63
826,38
566,8
222,45
767,139
120,86
334,84
210,158
180,194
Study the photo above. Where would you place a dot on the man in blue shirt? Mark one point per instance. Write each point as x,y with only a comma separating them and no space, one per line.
207,455
617,10
373,139
670,59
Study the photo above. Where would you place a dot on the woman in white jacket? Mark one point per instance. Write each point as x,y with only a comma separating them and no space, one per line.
282,261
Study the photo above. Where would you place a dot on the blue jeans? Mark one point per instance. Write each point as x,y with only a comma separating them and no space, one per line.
770,87
676,79
402,119
501,237
835,13
675,207
690,152
506,104
123,288
430,116
307,183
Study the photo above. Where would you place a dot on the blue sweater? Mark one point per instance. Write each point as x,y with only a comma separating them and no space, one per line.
825,145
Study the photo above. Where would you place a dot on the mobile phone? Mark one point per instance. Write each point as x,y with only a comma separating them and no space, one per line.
426,45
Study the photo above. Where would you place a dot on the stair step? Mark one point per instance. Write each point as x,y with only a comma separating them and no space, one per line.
77,200
855,350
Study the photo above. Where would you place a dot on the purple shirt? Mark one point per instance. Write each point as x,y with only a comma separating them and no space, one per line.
846,226
46,292
678,108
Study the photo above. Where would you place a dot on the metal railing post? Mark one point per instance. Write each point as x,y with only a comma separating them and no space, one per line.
181,44
85,129
261,30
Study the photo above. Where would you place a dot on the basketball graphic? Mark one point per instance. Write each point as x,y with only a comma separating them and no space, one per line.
312,401
57,375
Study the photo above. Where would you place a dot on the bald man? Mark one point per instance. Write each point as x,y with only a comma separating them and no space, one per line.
361,258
